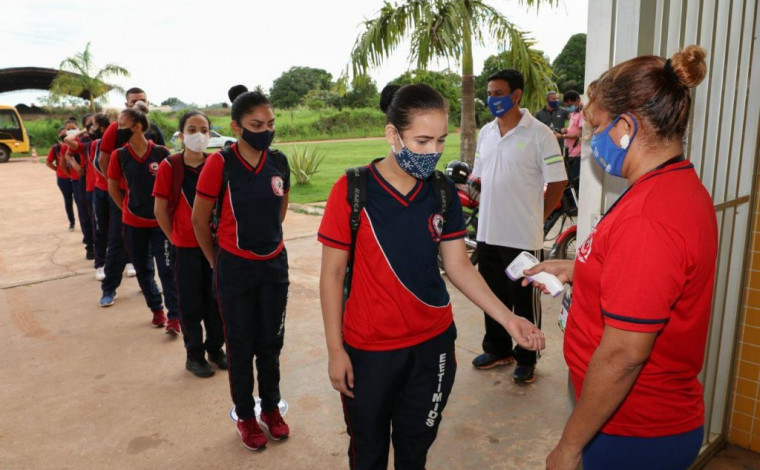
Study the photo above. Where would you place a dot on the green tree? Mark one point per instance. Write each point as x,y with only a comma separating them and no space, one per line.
570,64
363,93
444,29
289,88
447,83
173,101
77,77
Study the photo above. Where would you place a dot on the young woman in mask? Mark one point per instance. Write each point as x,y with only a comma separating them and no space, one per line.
100,205
56,161
174,193
391,345
136,164
251,181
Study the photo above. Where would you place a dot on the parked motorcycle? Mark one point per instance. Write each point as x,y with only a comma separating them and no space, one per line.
468,191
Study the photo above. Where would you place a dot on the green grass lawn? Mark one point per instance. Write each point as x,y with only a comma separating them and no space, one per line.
342,155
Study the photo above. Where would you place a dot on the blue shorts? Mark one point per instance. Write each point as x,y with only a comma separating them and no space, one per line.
676,452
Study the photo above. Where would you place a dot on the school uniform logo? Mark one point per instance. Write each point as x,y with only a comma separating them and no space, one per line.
153,168
585,251
278,186
435,225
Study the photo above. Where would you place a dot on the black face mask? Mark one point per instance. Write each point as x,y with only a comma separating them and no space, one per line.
258,140
96,134
122,137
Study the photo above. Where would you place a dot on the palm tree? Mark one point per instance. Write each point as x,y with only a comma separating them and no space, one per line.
77,78
448,29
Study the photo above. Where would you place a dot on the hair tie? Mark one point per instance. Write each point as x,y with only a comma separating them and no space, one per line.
669,68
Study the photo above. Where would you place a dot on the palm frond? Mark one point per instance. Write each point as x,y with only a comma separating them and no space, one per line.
440,34
384,33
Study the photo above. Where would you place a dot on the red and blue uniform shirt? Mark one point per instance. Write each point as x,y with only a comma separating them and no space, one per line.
57,157
139,175
398,298
250,223
649,267
183,234
101,174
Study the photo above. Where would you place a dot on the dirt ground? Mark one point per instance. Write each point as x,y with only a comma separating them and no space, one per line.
85,387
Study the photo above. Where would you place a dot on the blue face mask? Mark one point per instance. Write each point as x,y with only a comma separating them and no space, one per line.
419,165
554,104
572,108
499,105
606,153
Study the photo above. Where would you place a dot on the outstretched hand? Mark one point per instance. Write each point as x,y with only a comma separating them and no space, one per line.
525,333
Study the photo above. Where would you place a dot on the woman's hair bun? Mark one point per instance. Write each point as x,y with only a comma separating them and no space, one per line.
386,96
689,65
142,107
236,91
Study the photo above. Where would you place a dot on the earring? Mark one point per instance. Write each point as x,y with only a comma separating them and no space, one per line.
625,141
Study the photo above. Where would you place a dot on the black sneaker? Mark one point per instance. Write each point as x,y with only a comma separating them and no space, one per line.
488,360
524,374
219,358
90,254
199,368
71,227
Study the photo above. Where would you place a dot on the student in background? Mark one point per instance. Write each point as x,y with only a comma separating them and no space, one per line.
78,157
136,164
174,194
56,161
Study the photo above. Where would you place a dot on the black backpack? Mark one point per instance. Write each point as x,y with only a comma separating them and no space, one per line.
280,161
357,198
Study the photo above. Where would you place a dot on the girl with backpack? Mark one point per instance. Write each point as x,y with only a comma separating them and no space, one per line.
56,161
174,194
391,344
136,164
249,182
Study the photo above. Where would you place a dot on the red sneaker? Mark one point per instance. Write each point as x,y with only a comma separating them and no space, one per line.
172,327
274,425
253,436
159,319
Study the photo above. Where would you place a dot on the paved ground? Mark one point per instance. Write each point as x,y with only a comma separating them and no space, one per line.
90,388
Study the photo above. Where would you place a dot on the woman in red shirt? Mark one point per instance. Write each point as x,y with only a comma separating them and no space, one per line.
643,279
56,161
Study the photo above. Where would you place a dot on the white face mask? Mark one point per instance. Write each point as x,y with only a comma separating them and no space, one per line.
71,131
196,142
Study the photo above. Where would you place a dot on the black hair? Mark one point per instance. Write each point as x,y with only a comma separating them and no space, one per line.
84,119
513,78
398,103
244,101
570,95
138,114
62,128
188,115
134,91
71,121
101,120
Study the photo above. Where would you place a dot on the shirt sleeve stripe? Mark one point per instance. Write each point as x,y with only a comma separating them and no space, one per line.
553,159
640,321
333,243
204,195
453,236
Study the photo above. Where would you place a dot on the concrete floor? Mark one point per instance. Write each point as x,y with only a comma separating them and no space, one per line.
89,388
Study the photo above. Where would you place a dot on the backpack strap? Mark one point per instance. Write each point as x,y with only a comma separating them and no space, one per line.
216,214
280,160
177,163
444,196
357,198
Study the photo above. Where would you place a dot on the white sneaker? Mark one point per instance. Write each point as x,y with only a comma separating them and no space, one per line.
100,273
129,271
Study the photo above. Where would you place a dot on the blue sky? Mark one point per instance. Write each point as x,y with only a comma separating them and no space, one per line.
195,50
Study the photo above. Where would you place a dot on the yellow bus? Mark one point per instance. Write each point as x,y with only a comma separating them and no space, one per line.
13,136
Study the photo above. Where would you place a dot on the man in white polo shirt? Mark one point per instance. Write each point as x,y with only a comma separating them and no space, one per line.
516,156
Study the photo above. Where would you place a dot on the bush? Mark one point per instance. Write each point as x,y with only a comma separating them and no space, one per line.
167,123
304,162
43,133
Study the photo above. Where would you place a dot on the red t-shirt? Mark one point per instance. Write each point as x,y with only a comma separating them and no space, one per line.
92,145
398,298
649,266
108,141
250,221
183,234
139,175
57,156
101,178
